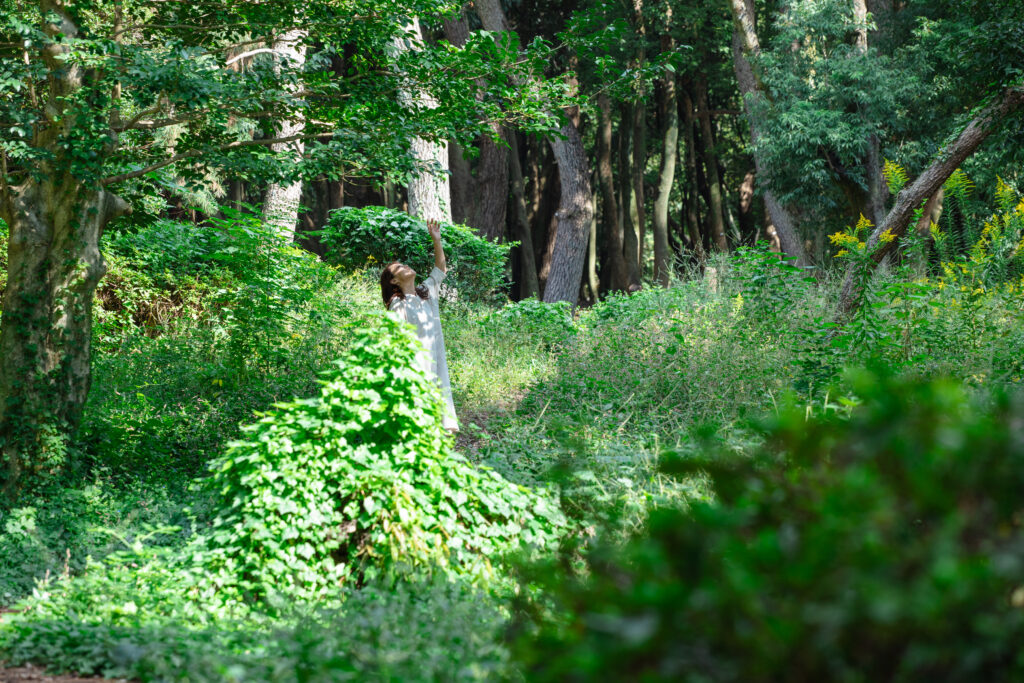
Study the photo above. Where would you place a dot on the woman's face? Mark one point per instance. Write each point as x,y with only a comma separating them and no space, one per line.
402,275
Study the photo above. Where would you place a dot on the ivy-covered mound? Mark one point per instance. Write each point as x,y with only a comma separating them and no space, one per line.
360,482
359,237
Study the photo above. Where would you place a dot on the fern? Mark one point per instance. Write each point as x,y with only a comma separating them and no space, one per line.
959,186
895,176
1006,196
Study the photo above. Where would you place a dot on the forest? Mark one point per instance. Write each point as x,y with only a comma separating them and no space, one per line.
729,384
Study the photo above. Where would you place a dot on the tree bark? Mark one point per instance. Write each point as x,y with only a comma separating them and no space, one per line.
574,213
491,185
630,167
461,184
692,213
529,286
666,176
715,208
925,186
745,206
428,192
617,277
593,282
282,199
53,267
744,44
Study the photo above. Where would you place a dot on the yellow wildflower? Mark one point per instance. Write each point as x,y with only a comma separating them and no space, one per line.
842,252
886,237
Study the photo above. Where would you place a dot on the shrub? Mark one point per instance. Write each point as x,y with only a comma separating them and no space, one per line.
551,323
357,238
885,546
360,482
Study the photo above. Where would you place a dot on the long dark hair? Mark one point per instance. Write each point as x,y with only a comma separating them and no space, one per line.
389,290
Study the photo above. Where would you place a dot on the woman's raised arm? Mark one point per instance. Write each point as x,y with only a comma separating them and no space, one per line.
434,228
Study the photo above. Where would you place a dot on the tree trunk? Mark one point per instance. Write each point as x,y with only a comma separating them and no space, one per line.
574,213
491,186
632,154
593,283
744,45
715,208
461,183
926,185
876,189
488,191
666,176
637,206
428,192
745,206
54,263
617,279
53,267
692,213
282,200
528,268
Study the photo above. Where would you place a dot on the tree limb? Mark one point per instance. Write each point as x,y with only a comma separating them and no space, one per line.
250,53
926,184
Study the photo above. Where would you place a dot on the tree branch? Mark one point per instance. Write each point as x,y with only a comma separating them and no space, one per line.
926,184
250,53
192,153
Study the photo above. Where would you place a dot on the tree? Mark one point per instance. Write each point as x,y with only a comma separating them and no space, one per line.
746,45
281,203
428,189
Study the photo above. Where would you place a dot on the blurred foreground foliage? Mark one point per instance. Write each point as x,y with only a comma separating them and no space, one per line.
881,541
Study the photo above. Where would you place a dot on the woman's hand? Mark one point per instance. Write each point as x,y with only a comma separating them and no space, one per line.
434,228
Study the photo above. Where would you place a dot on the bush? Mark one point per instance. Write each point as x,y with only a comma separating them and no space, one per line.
373,236
551,323
359,482
886,546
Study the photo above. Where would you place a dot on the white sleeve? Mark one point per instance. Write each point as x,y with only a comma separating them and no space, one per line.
433,282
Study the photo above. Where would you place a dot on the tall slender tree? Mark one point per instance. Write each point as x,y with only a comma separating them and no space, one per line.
745,46
575,210
282,198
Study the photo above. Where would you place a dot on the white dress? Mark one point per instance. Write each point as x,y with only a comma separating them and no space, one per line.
426,318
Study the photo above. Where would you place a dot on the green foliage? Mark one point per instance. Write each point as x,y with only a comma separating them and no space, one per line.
895,176
551,323
883,546
373,236
359,483
133,620
768,286
55,534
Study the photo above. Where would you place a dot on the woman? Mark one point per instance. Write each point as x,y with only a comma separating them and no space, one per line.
418,306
